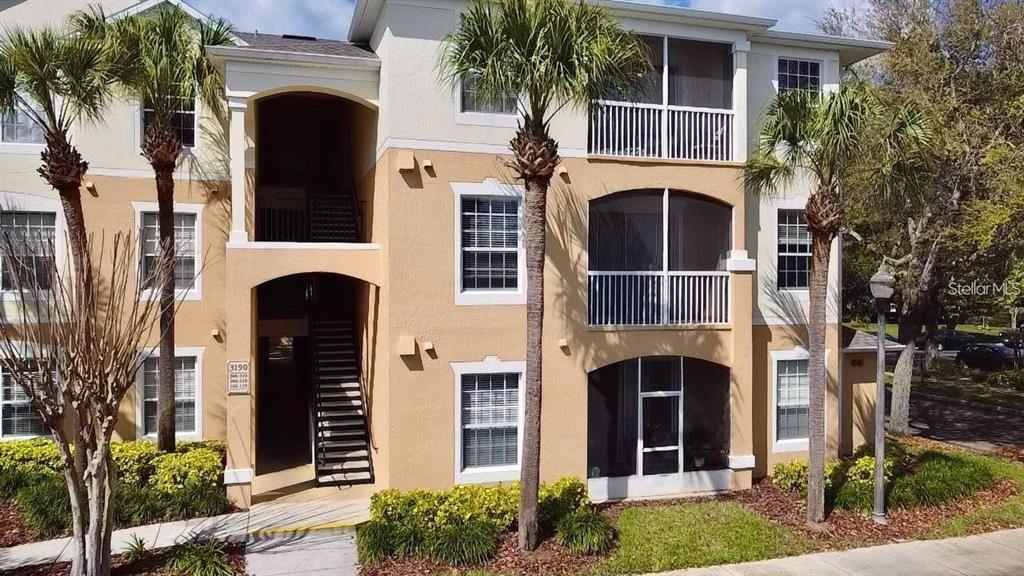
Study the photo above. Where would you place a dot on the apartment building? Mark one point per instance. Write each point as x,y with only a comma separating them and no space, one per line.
357,321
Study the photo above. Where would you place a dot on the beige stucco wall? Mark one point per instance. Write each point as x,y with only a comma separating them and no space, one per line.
421,278
858,400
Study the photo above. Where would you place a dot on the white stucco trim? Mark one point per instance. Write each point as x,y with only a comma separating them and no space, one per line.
253,245
140,423
467,147
196,291
738,261
489,365
463,297
236,476
741,462
10,310
798,353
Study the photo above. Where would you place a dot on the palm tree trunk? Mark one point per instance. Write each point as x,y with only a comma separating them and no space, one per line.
899,405
535,216
820,248
165,363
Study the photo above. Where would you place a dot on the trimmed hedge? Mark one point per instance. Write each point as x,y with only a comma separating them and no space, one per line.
457,526
150,486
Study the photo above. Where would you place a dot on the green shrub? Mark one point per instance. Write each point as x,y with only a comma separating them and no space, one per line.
560,499
11,481
374,541
134,461
200,558
46,507
854,496
469,542
218,446
35,457
497,505
393,505
939,477
136,505
584,531
173,473
135,550
193,500
792,476
1012,379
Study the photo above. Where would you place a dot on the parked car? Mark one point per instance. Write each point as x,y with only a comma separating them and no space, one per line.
949,340
987,357
1012,339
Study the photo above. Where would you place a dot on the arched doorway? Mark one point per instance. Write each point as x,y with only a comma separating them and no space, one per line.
658,425
310,404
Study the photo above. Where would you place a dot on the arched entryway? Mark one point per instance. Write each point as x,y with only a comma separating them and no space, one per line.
310,406
658,425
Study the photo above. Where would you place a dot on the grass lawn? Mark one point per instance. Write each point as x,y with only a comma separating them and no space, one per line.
982,333
891,329
694,534
1008,514
966,390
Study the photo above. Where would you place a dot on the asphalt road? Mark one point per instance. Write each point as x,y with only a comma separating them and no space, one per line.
972,425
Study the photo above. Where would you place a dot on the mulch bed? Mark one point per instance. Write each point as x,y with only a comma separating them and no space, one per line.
849,529
154,563
549,559
15,529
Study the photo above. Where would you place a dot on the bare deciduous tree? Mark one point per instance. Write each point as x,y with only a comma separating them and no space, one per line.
76,383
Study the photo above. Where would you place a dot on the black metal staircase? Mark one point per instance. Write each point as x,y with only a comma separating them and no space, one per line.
342,443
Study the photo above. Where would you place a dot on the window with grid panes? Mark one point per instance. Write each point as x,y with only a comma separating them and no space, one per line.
490,420
792,400
184,394
472,101
490,243
794,250
183,122
30,236
799,75
184,249
17,127
17,416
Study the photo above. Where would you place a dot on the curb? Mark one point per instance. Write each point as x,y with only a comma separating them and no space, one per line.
970,403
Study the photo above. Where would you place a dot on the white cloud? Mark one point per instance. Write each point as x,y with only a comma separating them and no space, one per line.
320,18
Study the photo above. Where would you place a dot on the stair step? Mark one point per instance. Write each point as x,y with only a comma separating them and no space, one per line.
340,403
355,430
344,478
356,444
338,455
335,386
343,466
340,413
332,394
334,377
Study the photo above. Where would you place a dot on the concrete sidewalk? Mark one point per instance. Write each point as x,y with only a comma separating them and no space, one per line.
994,554
287,520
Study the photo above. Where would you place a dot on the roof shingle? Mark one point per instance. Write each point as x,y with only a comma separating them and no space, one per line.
304,45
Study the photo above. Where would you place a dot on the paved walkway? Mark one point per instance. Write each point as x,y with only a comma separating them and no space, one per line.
972,425
316,553
262,525
994,554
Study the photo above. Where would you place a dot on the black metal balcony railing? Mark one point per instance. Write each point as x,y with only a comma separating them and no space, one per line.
313,219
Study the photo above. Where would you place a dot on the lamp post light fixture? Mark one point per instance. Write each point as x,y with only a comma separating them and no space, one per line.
883,284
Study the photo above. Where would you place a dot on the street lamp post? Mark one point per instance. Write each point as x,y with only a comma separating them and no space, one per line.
882,286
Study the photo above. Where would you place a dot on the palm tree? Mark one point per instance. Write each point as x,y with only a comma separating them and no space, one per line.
167,69
551,54
832,139
58,80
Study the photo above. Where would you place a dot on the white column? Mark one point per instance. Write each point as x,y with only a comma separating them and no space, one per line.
739,101
238,144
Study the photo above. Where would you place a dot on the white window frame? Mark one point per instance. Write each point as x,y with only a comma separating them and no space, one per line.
471,118
787,208
821,70
14,202
140,392
3,438
795,444
194,293
140,126
490,474
20,147
464,297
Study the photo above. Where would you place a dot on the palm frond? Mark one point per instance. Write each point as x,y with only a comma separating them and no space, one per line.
551,53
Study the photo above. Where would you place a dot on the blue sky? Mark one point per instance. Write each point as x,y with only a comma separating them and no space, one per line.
330,18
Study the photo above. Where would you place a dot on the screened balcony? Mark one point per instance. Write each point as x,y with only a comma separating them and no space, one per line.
657,258
682,111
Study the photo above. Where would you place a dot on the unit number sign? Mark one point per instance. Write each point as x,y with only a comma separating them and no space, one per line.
238,377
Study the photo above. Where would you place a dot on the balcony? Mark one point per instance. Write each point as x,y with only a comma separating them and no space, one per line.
657,258
683,111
